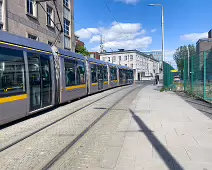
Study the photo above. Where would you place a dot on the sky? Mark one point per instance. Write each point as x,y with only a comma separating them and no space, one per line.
132,24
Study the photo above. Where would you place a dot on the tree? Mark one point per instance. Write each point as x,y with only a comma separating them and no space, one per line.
182,53
81,50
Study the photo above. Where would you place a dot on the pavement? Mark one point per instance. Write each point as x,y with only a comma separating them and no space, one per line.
166,133
147,130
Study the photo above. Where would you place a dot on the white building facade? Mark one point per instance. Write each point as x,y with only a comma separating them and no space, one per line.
144,67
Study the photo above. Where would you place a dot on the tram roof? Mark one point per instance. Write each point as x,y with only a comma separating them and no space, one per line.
112,65
96,61
124,67
22,41
70,54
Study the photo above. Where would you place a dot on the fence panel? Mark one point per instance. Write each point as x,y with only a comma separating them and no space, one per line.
168,75
198,75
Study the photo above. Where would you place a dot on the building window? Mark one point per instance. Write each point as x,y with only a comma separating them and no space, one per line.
50,43
114,59
108,59
125,58
33,37
131,65
66,42
32,8
131,57
66,26
126,65
119,58
92,56
0,11
50,16
66,3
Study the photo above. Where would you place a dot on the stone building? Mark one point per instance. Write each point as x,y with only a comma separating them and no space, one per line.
29,19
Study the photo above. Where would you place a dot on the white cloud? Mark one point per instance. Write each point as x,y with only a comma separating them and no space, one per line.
129,1
153,30
86,33
193,37
117,35
137,43
169,53
119,31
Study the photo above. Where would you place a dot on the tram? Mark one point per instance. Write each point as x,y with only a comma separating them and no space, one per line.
35,76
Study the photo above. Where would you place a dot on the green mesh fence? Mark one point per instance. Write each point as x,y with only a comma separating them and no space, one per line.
198,75
168,76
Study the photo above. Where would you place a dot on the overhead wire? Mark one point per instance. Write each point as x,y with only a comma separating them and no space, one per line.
105,1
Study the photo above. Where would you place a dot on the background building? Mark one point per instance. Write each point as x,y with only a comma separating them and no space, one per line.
143,65
157,54
95,55
28,19
204,44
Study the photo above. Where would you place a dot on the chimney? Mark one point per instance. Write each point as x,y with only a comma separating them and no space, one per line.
210,34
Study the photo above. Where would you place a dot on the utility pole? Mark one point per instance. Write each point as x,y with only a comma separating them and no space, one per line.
101,44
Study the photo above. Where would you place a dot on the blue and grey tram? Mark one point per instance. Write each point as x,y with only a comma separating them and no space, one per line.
35,76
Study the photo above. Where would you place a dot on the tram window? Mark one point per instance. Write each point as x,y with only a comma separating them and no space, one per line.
80,72
105,74
12,72
70,72
93,73
113,73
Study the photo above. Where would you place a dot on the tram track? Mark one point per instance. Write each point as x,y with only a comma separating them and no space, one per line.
49,164
56,121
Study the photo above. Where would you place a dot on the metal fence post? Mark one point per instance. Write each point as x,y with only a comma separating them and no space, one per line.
204,74
192,74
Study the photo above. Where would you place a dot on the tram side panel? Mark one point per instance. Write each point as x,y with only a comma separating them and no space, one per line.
73,79
13,91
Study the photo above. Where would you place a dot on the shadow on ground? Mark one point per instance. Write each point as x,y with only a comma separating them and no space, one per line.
165,155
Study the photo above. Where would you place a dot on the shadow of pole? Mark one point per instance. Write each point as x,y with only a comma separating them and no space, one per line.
168,159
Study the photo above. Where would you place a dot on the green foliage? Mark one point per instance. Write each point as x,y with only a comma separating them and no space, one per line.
82,50
182,53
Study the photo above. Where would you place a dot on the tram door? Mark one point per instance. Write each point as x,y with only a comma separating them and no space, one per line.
39,81
100,77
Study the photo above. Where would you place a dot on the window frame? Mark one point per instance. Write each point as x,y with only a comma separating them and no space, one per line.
80,63
93,66
66,3
66,31
51,17
29,34
1,12
71,62
23,75
34,13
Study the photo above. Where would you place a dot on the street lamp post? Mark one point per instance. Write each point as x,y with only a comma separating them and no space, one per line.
162,25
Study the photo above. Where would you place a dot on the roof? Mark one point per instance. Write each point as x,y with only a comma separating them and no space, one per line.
204,40
112,65
96,61
18,40
124,67
70,54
